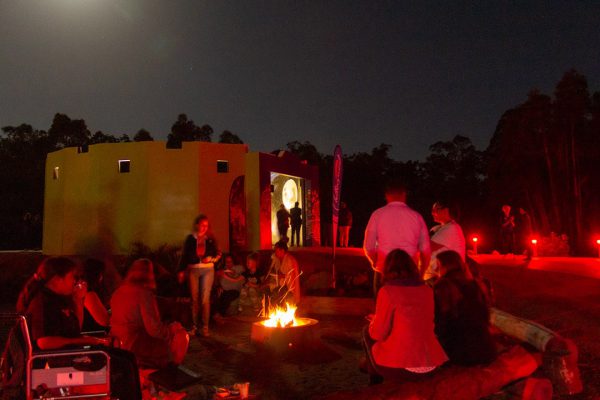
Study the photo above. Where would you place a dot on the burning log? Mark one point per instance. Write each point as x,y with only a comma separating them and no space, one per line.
283,331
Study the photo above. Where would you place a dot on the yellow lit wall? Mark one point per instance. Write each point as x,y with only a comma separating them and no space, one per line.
93,208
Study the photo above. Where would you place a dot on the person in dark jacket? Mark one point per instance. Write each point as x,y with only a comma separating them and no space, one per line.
296,222
461,314
200,254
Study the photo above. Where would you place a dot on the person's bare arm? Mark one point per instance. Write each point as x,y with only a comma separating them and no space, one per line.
58,342
370,242
95,307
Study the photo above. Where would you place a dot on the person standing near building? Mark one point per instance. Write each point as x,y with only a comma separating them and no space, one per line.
296,221
525,231
283,222
395,226
200,253
345,223
507,231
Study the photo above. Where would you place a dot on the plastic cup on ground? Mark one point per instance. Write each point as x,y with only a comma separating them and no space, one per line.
244,389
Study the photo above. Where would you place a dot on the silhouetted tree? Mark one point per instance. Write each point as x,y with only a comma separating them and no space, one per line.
544,156
185,130
231,138
67,132
305,151
101,137
143,136
22,159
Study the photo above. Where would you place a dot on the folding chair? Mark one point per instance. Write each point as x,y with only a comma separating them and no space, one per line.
60,374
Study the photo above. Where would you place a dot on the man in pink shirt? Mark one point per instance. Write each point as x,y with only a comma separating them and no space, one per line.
395,226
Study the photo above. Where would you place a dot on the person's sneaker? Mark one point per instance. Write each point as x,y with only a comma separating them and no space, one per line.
193,331
205,332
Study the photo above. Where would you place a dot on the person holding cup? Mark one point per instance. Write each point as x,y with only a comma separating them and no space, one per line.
200,254
53,304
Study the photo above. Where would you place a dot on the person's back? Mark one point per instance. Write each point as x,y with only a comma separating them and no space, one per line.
129,303
396,226
462,320
296,216
404,330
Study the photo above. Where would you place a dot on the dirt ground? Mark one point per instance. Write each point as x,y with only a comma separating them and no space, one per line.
565,303
568,304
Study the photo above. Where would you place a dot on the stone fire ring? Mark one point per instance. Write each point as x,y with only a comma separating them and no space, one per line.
285,339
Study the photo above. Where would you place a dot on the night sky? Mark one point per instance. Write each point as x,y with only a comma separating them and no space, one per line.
354,73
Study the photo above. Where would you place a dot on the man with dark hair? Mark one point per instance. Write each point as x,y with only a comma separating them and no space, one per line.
284,275
395,226
296,222
283,222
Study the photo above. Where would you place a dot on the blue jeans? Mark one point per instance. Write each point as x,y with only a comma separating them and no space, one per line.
201,281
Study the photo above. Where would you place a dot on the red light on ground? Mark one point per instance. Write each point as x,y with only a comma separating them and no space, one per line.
533,241
475,239
598,242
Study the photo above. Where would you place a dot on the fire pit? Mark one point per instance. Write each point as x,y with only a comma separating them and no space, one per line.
284,332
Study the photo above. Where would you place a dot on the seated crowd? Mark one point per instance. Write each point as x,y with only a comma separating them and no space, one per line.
417,327
69,305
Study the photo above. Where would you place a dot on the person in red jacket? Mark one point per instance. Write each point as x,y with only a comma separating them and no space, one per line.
400,340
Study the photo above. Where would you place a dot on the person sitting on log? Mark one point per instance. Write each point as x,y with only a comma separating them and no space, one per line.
283,277
230,281
253,289
462,313
137,323
400,340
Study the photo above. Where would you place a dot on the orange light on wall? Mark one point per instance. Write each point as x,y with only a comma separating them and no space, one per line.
475,240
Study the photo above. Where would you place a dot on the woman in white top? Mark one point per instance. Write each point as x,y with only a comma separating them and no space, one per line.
448,235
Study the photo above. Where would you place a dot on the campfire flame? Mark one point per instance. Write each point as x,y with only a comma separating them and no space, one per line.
281,318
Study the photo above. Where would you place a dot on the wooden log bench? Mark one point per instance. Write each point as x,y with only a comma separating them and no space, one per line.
510,372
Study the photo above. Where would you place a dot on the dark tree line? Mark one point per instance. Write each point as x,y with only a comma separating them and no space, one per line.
23,151
544,156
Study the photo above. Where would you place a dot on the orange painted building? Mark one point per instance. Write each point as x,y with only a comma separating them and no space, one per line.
111,195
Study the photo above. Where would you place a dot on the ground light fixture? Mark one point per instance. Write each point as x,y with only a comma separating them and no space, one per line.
534,247
475,241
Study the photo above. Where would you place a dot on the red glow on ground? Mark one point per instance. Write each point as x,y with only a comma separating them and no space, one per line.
582,266
533,241
475,239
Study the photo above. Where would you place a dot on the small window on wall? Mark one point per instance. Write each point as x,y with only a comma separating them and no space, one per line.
124,166
222,166
55,173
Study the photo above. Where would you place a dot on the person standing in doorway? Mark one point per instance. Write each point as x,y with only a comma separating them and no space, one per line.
296,221
283,222
395,226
